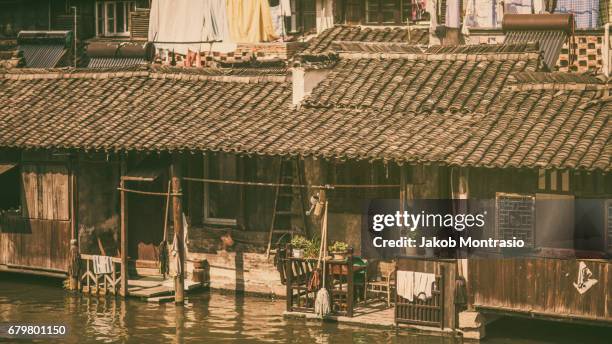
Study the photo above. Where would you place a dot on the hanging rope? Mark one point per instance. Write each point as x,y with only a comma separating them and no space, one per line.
326,186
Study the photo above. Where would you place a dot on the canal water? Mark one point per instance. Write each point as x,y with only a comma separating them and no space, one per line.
210,317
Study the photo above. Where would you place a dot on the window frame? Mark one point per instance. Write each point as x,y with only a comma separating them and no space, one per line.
298,13
555,182
398,14
206,198
125,6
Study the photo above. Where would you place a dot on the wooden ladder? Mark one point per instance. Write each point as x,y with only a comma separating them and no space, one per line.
285,208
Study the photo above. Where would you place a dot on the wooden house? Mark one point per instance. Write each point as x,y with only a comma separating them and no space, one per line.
86,153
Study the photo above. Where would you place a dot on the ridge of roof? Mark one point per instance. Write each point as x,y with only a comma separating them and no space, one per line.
216,74
492,56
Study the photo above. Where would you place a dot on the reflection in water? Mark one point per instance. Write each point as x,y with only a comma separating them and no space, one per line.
205,318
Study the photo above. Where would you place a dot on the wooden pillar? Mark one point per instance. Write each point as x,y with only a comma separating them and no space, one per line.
177,215
73,282
123,291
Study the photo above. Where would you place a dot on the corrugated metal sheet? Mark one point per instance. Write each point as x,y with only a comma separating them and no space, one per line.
42,55
550,43
114,62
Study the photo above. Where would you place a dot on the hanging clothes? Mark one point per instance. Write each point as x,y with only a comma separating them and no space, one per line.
285,8
278,20
179,25
539,6
250,21
432,9
453,13
518,7
102,265
423,285
482,13
215,21
176,269
404,282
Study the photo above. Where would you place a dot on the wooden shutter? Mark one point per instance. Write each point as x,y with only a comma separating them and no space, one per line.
45,192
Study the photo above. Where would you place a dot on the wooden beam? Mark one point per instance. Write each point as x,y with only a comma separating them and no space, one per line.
177,215
73,282
123,291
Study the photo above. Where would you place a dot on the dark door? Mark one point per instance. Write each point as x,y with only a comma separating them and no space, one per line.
146,219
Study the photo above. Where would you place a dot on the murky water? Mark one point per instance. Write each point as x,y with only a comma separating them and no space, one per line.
214,318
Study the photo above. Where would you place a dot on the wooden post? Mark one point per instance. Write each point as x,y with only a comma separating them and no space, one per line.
350,284
73,283
123,291
288,278
177,214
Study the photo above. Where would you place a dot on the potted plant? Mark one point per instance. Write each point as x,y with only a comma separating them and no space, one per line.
298,245
339,250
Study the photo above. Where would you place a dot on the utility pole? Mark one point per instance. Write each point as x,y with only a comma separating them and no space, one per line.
177,215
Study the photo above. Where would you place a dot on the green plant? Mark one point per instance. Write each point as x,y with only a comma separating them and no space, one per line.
312,251
338,246
299,242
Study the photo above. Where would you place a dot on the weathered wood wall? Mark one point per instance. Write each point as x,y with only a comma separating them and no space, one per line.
34,244
542,286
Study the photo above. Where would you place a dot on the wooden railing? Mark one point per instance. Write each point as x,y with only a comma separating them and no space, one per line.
99,284
439,309
428,312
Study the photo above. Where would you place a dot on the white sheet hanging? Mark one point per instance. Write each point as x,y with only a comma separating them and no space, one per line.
175,23
482,13
453,13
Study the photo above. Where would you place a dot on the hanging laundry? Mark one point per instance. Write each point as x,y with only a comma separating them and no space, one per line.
432,8
423,285
517,7
539,6
285,7
181,25
102,265
278,20
586,12
483,13
250,21
405,284
215,21
453,13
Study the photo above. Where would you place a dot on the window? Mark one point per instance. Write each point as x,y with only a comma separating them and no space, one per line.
303,16
9,184
112,17
554,181
221,201
393,12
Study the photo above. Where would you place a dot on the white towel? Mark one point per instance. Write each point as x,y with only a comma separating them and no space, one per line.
405,284
102,265
423,285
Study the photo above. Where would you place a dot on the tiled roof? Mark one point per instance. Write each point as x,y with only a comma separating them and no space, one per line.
459,112
420,83
130,110
322,43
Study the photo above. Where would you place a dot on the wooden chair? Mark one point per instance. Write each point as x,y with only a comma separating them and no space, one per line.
382,281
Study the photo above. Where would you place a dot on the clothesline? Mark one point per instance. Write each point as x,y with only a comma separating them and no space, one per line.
193,42
326,186
150,193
